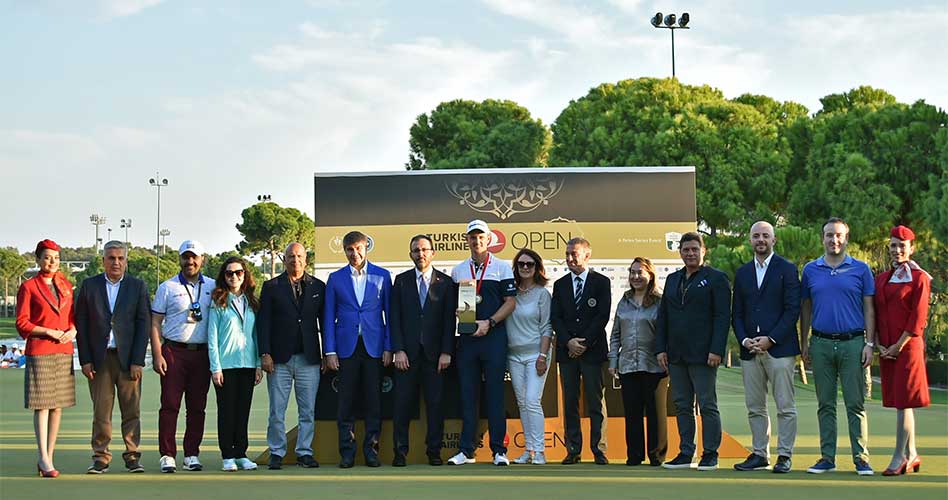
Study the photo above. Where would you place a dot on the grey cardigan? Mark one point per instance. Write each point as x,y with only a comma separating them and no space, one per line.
632,343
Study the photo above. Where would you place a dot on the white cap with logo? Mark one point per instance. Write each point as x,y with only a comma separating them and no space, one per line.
478,225
192,246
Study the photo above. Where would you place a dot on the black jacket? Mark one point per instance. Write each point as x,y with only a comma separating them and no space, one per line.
588,321
694,316
435,323
130,320
774,308
281,321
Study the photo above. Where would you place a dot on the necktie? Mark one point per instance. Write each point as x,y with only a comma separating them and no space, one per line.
579,291
422,290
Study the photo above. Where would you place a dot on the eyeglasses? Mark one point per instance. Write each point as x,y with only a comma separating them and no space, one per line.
239,273
526,264
422,250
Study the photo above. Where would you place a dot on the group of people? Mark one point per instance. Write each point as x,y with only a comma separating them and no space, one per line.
218,331
10,358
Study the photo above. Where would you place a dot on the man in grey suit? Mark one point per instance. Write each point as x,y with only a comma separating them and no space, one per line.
112,324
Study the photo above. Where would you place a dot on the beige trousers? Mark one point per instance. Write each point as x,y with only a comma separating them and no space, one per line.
759,372
110,381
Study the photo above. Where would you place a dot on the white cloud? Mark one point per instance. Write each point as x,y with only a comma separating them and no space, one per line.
110,9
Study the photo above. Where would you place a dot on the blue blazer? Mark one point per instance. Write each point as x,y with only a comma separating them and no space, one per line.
344,317
775,307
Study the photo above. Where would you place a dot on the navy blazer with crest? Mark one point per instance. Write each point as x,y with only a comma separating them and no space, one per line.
587,321
432,326
280,319
774,308
694,322
130,320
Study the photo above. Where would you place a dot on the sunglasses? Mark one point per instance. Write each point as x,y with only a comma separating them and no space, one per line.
239,273
526,264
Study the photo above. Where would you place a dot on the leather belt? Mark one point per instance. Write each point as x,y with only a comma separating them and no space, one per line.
185,345
839,336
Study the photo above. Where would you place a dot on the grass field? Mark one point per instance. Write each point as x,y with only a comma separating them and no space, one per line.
18,481
8,328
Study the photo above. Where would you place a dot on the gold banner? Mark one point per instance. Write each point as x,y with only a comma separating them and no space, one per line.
609,240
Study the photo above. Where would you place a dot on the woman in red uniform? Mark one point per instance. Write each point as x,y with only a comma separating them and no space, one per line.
902,295
44,317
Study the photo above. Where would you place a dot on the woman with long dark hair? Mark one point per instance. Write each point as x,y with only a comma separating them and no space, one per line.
632,359
44,317
235,365
529,335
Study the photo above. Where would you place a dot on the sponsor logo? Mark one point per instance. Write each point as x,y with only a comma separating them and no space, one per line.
497,241
370,245
335,244
540,240
672,241
387,384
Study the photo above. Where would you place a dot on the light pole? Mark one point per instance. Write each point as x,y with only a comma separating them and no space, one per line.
669,24
263,198
110,234
164,233
97,220
126,225
158,182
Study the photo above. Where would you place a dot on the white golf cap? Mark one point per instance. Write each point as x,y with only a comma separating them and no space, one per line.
478,225
192,246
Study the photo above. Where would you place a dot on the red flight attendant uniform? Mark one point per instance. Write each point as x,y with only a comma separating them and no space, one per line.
903,307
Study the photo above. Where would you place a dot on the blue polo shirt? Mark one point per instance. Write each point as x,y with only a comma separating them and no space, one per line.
837,293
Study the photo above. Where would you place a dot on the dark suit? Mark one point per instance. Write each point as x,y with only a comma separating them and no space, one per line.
358,333
423,332
587,320
288,330
770,310
130,322
692,323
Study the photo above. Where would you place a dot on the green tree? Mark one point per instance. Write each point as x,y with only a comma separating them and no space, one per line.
269,227
468,134
12,267
741,162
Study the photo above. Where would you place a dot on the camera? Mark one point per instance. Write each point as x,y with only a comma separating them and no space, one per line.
195,312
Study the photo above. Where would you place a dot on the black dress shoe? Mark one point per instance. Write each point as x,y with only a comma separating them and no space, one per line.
399,460
373,462
753,462
276,462
307,462
600,459
633,463
571,459
346,463
433,460
783,465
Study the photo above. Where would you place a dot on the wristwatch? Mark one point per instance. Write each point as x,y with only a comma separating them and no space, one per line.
871,344
492,323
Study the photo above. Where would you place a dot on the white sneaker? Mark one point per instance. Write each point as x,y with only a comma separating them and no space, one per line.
246,464
167,464
229,465
539,458
460,459
524,459
192,463
501,459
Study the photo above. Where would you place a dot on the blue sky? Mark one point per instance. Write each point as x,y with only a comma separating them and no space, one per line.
232,99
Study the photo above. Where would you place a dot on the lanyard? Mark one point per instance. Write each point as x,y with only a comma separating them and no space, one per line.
479,281
191,297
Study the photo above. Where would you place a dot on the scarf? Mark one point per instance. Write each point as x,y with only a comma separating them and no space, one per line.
902,273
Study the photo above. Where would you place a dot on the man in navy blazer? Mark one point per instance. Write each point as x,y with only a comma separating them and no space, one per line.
765,310
113,321
691,336
358,344
288,323
424,318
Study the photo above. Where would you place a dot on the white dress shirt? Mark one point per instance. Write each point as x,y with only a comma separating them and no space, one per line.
359,277
112,290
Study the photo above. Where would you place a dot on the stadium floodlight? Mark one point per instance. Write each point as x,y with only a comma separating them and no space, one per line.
669,24
657,20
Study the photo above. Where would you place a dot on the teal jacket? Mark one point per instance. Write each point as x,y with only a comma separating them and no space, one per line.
231,341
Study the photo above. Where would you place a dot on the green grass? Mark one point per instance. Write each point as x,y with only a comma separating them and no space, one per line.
17,457
8,328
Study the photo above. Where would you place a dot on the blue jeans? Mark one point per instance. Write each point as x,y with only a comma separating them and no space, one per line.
297,371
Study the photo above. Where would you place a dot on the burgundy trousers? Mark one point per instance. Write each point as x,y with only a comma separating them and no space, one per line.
188,375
